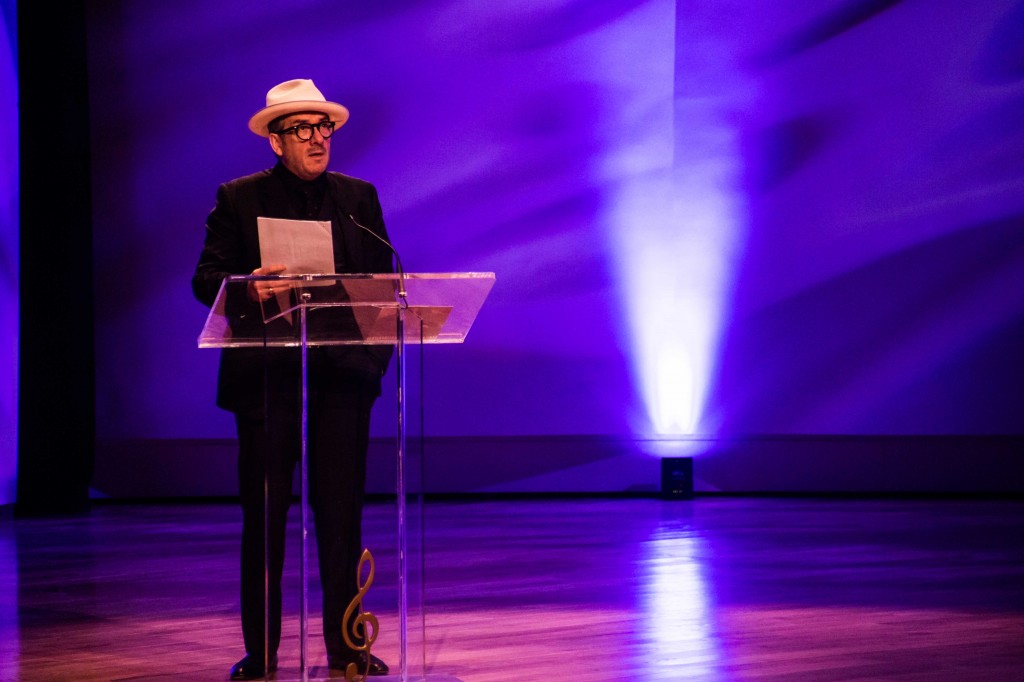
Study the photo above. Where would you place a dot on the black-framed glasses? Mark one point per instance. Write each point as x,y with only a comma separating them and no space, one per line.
304,131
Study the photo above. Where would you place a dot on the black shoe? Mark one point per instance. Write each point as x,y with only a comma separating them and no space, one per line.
251,668
377,666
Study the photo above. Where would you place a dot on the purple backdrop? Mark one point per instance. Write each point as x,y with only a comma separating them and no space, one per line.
775,218
8,253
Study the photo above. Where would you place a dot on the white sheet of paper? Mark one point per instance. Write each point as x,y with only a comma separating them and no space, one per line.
304,247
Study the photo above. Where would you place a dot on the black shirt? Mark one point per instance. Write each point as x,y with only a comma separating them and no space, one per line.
306,196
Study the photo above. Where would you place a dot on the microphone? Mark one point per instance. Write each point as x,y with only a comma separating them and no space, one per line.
398,261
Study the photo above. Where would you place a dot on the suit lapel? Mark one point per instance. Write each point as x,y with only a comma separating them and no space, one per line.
344,206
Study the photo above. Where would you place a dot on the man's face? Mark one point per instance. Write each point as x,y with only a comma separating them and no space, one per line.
306,159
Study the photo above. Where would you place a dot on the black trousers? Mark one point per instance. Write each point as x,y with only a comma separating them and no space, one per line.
269,450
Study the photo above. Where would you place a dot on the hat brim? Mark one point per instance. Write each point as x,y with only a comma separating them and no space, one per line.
261,119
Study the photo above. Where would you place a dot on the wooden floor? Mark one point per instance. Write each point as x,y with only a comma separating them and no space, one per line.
549,589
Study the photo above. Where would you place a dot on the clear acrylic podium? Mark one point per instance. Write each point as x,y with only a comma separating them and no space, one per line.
353,309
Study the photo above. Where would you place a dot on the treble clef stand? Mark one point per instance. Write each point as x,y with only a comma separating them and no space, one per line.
364,624
356,309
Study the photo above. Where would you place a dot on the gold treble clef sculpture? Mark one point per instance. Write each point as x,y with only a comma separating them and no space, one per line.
363,626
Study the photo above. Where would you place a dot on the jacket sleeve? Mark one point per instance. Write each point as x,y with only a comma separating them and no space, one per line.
224,251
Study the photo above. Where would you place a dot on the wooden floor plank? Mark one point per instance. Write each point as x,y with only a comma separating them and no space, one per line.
549,589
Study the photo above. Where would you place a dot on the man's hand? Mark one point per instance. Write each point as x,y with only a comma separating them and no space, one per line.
261,290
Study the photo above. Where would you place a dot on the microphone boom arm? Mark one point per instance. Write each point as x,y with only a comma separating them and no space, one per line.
402,293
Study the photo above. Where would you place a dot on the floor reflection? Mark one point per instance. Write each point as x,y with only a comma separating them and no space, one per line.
676,600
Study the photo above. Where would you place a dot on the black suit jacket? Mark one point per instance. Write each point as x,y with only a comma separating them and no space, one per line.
231,247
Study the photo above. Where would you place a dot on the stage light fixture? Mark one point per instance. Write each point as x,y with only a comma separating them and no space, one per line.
677,478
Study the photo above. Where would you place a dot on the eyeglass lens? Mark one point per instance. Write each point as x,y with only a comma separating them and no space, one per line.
304,131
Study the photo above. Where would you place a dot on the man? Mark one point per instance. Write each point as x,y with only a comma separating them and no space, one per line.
262,386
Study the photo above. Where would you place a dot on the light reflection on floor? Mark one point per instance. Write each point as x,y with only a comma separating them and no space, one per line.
675,603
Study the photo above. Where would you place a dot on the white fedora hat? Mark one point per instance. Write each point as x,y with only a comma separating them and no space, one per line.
291,97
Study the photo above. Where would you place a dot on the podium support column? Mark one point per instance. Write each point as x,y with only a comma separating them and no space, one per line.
304,493
403,593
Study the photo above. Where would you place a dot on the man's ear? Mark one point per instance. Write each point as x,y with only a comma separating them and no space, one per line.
275,144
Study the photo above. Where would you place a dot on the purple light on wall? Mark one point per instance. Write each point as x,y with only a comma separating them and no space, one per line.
8,258
591,154
883,200
677,222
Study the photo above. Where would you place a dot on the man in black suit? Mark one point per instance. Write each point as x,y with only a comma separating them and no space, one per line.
262,386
